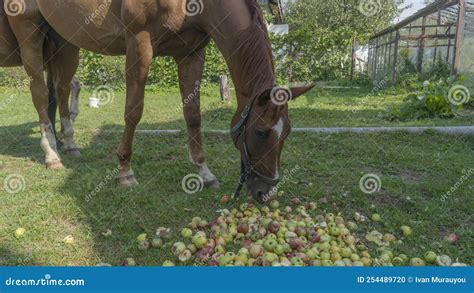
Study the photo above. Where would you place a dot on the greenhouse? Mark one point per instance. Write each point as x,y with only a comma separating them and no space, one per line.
438,37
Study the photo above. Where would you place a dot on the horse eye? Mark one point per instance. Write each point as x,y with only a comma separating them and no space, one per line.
262,134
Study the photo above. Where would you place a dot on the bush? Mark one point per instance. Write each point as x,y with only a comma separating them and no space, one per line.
435,101
97,69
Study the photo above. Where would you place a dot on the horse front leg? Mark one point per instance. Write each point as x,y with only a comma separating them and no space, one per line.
139,57
190,70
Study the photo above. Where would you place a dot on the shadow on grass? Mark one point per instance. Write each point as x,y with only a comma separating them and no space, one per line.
10,257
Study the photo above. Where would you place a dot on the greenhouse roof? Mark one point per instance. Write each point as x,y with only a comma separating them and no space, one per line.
448,14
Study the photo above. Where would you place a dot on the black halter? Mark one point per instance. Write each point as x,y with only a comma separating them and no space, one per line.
247,169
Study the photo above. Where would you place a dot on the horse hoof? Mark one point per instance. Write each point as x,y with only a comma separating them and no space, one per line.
75,153
54,165
214,184
127,181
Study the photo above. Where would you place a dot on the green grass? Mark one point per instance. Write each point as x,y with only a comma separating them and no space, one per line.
416,170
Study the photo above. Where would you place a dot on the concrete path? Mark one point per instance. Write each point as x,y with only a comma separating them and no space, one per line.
452,130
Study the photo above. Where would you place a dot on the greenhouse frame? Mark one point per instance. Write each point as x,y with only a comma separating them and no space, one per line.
441,33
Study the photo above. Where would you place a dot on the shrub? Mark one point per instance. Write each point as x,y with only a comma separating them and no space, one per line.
434,101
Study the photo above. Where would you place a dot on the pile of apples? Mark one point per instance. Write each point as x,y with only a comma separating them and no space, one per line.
274,236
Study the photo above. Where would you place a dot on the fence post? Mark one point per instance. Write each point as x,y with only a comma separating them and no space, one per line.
224,88
459,37
354,56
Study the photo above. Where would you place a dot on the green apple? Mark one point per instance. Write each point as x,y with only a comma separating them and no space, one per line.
224,260
417,262
376,218
129,262
199,241
178,248
389,238
19,232
398,261
312,254
430,257
355,257
187,233
157,243
142,237
297,262
274,204
407,231
326,263
270,257
334,231
279,249
324,255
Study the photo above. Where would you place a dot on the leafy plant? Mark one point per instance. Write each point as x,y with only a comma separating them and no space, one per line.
433,101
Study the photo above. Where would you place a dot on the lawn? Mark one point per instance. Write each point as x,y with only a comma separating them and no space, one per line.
415,171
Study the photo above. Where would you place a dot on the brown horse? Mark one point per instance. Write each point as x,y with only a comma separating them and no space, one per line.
143,29
22,24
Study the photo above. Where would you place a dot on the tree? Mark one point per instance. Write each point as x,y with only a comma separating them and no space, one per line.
321,32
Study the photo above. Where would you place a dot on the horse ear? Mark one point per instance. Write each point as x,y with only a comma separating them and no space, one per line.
282,95
301,90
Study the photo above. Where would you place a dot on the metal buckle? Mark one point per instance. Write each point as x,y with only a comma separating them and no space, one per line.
245,112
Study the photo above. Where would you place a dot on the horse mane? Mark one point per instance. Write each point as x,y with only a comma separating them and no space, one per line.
256,69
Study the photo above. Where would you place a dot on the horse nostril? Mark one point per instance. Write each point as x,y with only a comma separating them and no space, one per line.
260,194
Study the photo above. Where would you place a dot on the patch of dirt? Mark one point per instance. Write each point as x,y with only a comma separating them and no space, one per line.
409,175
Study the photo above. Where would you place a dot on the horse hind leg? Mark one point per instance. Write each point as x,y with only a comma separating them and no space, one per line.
190,73
63,66
31,40
75,91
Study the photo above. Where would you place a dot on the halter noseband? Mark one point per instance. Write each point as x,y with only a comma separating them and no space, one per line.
247,169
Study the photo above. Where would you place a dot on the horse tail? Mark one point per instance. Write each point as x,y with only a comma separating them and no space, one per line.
48,55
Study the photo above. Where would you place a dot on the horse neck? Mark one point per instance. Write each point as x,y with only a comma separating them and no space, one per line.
249,57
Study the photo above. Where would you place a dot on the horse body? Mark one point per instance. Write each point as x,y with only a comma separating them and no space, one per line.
9,54
102,26
143,29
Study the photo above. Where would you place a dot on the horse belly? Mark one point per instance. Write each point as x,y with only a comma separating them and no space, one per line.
93,25
9,53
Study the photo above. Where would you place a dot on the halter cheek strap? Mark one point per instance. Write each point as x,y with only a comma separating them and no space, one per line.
247,169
